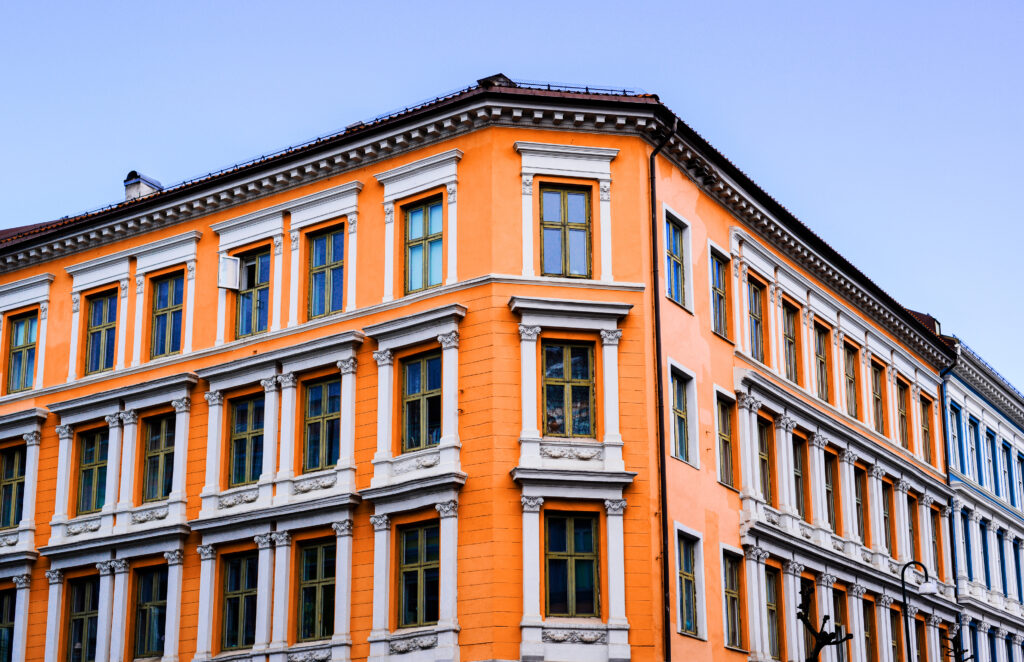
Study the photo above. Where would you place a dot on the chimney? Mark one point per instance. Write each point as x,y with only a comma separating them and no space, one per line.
137,185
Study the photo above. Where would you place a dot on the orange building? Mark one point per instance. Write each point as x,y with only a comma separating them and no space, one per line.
519,373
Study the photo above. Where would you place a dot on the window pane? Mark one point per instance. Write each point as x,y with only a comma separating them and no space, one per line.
413,378
555,409
160,335
312,459
553,361
416,223
111,309
410,595
338,246
434,419
307,614
264,268
434,276
320,251
576,207
435,218
244,313
177,290
316,400
238,448
318,296
431,544
415,267
558,586
333,397
337,288
552,206
262,308
581,410
333,444
557,535
256,465
410,546
412,424
552,251
579,358
175,332
578,253
584,586
431,589
434,373
162,293
583,536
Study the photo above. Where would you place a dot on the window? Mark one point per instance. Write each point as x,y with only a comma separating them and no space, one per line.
1016,562
240,579
1002,563
966,528
571,565
860,480
12,486
926,429
887,517
850,370
919,653
772,606
912,526
101,336
316,590
901,413
973,449
955,438
151,612
1004,469
733,614
876,398
936,557
990,459
789,314
807,586
568,380
674,271
1019,475
870,637
418,571
159,460
830,490
22,360
421,399
765,453
726,474
800,476
895,627
246,441
253,295
687,585
168,294
983,526
840,622
423,246
323,426
719,296
92,471
821,336
8,600
756,319
327,273
565,232
83,619
682,436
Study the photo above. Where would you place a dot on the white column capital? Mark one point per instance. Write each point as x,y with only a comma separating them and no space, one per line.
528,333
214,398
347,366
447,508
263,540
611,337
343,528
380,522
532,504
174,557
182,404
207,552
384,358
65,432
287,380
449,340
615,506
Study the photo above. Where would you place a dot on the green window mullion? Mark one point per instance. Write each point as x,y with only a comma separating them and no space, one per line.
416,562
316,591
563,386
102,322
159,459
321,300
92,469
247,433
423,240
418,429
321,446
572,556
240,590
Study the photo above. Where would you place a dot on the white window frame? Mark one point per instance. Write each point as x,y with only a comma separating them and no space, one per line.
692,427
697,538
32,291
670,215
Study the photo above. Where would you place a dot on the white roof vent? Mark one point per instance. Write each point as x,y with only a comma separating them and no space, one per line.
137,185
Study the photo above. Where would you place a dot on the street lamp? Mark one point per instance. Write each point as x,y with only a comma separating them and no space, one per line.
927,587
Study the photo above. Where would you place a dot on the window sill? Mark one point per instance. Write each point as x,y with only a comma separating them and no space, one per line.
690,635
686,462
736,649
729,487
679,304
721,337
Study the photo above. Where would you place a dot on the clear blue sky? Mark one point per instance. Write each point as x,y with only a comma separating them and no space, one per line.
893,129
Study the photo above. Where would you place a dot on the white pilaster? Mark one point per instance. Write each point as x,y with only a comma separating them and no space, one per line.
113,469
207,590
449,388
282,587
947,568
140,287
130,422
754,558
531,645
791,571
341,642
934,641
605,223
847,494
385,375
119,616
924,512
612,438
190,306
903,542
41,345
527,225
173,623
529,452
448,563
747,407
106,607
885,633
270,443
909,622
76,300
855,613
293,280
389,252
875,503
816,452
214,430
122,324
350,262
182,407
381,574
28,508
285,472
452,234
823,584
784,426
277,287
976,555
19,638
54,602
264,584
347,426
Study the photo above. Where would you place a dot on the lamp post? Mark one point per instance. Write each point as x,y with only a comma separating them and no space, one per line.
927,587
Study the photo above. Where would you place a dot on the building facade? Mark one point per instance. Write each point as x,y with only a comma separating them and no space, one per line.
519,373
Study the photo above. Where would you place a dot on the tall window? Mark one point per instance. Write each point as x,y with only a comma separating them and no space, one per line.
101,336
756,319
323,425
733,612
674,261
990,459
12,486
965,526
21,362
887,516
726,474
246,441
912,526
92,471
565,232
974,451
568,390
821,336
327,273
800,476
682,435
719,296
423,246
1002,562
316,590
418,570
983,527
765,453
151,612
1019,476
159,460
876,398
774,611
687,585
8,600
421,397
571,562
1004,470
896,628
850,371
830,490
789,314
956,446
240,579
83,619
926,429
901,413
859,500
840,621
253,295
919,645
807,586
168,294
933,516
870,636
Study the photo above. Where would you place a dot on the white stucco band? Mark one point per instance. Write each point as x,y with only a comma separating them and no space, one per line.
34,290
410,179
567,161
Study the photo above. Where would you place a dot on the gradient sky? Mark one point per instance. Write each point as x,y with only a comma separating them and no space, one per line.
893,129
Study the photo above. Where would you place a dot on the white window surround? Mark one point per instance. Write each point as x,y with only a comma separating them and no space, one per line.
180,249
670,215
108,269
26,425
692,409
537,314
714,250
248,229
441,326
410,179
334,203
120,408
34,290
721,393
572,161
279,373
698,577
748,610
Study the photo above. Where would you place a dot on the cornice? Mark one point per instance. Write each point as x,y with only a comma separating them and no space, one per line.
980,376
